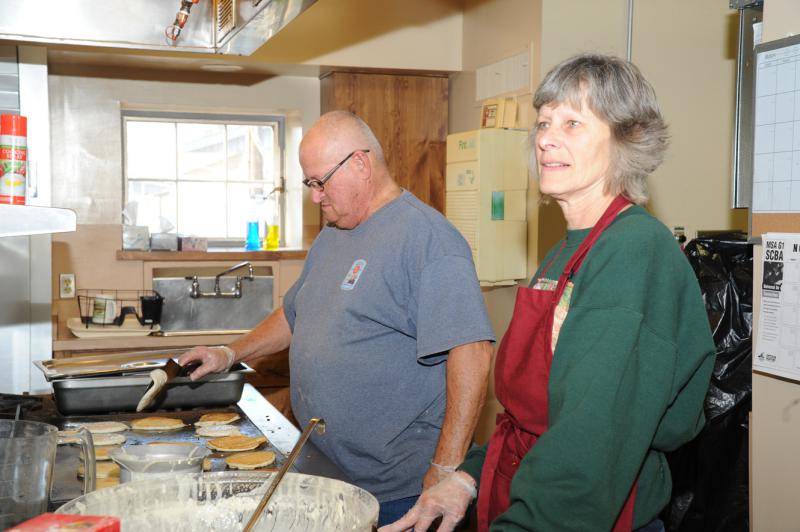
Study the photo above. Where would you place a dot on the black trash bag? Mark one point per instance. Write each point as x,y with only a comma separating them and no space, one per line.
710,473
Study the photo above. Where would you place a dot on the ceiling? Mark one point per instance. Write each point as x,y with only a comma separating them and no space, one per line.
296,50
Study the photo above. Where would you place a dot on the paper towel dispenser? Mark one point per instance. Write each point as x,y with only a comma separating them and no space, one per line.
487,185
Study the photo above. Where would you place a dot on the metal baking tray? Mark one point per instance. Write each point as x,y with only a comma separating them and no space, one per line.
106,364
121,393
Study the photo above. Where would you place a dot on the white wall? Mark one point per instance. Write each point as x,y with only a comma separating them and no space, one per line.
86,129
687,52
695,85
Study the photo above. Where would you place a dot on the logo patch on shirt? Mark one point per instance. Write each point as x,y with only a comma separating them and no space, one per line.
354,274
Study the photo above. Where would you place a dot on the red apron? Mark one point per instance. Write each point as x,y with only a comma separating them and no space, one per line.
522,372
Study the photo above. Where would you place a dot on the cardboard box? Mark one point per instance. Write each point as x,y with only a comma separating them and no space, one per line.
163,242
62,522
193,243
499,113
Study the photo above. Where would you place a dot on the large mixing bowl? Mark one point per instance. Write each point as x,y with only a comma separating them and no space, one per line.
225,501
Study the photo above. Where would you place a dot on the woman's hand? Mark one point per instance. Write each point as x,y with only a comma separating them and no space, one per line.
212,360
449,498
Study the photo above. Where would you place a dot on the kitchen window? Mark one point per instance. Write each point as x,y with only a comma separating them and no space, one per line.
204,175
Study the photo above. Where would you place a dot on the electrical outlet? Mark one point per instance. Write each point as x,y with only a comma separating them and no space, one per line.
66,283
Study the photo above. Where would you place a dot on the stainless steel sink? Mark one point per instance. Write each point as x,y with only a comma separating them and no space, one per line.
225,313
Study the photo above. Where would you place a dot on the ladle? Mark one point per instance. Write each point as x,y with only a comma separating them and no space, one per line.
314,422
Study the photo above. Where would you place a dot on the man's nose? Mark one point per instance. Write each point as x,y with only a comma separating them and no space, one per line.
316,195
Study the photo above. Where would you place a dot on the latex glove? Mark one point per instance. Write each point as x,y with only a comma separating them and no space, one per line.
212,360
449,498
435,474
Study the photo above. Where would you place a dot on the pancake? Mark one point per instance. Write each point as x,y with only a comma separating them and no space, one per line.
250,460
218,431
101,483
104,470
157,423
101,440
101,452
104,427
216,418
235,443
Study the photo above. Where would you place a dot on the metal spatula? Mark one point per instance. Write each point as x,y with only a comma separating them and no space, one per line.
159,379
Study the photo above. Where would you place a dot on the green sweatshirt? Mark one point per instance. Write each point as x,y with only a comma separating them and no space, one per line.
629,376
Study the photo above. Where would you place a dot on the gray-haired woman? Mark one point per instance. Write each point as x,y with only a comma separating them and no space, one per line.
608,356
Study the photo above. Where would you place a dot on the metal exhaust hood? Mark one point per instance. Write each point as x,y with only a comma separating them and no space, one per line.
16,220
234,27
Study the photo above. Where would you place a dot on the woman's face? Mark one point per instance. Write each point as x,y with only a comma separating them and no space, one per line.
573,152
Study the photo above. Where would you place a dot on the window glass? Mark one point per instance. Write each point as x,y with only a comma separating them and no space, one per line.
201,152
204,177
242,208
150,152
201,209
251,153
154,200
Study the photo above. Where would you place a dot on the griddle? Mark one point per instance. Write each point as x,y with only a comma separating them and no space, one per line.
258,417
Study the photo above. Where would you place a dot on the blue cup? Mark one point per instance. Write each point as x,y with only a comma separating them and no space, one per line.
252,243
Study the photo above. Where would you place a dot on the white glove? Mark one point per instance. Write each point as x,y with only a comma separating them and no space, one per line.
212,360
449,498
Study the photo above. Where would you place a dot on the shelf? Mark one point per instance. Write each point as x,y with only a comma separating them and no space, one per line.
151,256
144,342
16,220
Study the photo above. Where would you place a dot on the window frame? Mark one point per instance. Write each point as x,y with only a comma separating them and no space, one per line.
212,118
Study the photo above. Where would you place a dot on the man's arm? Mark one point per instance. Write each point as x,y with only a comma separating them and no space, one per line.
270,336
468,369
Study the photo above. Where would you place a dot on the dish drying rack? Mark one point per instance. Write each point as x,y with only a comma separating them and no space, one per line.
144,305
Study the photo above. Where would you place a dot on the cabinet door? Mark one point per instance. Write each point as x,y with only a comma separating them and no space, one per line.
408,114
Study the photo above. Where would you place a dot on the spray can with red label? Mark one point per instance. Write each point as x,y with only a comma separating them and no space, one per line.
13,158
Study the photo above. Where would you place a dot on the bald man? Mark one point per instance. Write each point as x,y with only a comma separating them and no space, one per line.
388,334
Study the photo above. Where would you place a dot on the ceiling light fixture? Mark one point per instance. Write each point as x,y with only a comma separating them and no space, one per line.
222,67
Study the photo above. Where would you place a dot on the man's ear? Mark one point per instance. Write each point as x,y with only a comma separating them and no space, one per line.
363,165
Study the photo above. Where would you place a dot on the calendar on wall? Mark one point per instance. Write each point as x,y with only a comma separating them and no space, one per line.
776,139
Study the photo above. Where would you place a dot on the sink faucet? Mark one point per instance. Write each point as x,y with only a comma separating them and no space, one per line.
238,289
195,291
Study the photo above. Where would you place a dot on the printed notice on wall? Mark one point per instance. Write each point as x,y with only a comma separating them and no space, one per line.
776,144
778,340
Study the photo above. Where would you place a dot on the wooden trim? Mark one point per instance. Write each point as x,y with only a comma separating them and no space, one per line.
327,71
775,223
184,256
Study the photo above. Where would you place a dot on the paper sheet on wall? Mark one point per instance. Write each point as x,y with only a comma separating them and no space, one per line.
776,142
778,340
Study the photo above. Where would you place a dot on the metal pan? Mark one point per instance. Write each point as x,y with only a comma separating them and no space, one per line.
106,364
121,393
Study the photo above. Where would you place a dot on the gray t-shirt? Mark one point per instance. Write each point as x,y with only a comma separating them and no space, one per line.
373,315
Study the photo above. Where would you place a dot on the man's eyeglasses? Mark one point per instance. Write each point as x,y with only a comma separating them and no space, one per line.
319,184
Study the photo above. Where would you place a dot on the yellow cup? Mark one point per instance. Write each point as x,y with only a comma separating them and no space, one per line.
273,237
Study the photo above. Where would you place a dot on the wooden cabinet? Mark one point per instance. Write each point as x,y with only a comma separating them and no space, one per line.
408,114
